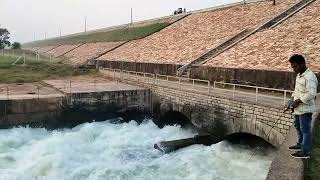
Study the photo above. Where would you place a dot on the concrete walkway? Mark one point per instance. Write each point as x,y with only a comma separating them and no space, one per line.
283,166
76,86
27,91
61,87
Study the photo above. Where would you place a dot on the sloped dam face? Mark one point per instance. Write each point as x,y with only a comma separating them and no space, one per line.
104,150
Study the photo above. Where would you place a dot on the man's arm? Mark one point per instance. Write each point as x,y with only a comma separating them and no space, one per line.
311,89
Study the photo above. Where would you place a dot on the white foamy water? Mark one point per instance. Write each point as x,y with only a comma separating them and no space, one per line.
102,150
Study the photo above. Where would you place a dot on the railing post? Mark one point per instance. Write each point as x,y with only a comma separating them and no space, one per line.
7,92
193,84
137,77
284,97
24,58
179,83
256,94
167,78
70,87
233,91
38,91
156,81
208,87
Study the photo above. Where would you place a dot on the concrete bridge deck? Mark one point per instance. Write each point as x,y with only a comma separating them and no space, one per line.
61,87
260,95
95,85
27,91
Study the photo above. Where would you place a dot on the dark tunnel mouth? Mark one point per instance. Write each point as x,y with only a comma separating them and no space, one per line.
251,140
173,118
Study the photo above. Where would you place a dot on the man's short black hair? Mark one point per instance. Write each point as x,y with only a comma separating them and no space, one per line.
297,58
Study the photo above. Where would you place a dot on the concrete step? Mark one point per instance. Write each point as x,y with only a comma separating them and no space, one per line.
286,14
218,49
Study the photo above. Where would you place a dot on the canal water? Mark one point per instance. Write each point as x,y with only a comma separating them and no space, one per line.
103,150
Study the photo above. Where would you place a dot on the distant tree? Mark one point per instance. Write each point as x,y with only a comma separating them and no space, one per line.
16,45
4,38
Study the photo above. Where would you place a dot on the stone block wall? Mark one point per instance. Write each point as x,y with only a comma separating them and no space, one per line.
223,116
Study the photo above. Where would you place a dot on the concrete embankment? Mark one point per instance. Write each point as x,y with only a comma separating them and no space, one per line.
75,102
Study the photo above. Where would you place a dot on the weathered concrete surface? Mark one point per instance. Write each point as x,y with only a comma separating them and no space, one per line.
27,91
256,77
157,68
86,100
28,111
284,167
93,85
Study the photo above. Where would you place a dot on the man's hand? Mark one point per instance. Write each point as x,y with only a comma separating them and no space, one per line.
296,103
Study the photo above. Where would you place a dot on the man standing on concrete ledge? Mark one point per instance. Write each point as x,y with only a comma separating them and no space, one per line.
303,104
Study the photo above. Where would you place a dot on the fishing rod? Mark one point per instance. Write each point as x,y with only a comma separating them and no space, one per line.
289,107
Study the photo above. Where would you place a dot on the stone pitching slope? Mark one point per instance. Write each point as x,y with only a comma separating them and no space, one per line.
45,49
271,49
188,38
61,50
87,51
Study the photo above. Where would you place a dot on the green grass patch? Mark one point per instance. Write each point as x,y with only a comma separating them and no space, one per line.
34,70
121,34
313,173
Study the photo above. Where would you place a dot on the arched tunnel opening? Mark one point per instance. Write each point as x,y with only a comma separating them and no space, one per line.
250,140
173,118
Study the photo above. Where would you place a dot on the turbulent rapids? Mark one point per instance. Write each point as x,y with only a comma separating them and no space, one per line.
103,150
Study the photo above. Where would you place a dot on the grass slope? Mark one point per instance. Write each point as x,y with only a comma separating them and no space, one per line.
123,34
33,70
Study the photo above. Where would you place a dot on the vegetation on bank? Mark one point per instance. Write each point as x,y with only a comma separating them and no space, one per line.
121,34
33,70
313,172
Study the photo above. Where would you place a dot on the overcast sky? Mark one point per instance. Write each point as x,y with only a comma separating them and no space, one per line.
28,18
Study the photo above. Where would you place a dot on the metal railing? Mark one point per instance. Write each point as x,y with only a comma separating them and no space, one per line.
44,90
255,93
8,92
28,55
